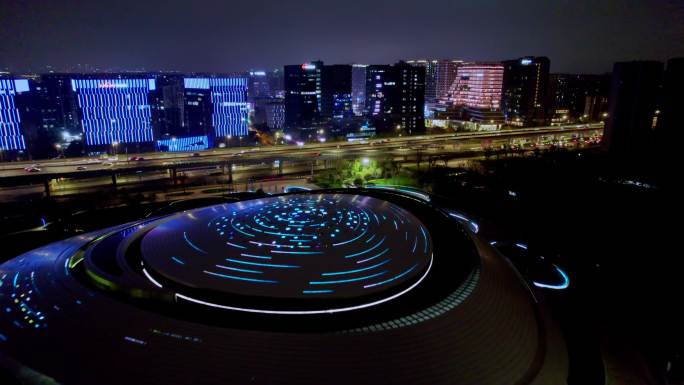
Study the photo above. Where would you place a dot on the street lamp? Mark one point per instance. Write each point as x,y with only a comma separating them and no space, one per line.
115,144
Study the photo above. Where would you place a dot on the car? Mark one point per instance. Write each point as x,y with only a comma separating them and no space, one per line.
136,158
81,168
107,164
195,154
32,169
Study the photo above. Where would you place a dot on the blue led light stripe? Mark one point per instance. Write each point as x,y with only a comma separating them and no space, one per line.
187,240
235,245
240,270
347,280
356,270
239,278
373,257
255,256
391,279
367,250
263,264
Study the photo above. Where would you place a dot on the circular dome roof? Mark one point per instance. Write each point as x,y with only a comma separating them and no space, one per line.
312,248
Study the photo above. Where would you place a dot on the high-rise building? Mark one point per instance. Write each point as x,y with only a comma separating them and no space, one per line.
12,135
524,90
223,99
168,107
303,94
258,86
359,89
633,106
115,110
477,85
475,94
336,91
577,98
445,74
275,114
276,84
58,106
430,67
316,95
395,97
198,110
670,131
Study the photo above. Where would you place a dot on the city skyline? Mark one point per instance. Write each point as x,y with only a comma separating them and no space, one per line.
585,37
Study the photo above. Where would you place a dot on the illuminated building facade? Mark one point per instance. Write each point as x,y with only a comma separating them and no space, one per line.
525,84
275,114
228,100
11,134
359,89
115,110
192,143
336,91
477,85
303,94
395,97
445,73
430,77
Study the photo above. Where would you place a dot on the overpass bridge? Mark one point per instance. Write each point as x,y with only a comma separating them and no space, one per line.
427,147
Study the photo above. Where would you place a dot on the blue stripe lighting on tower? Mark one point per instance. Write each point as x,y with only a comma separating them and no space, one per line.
11,137
115,110
192,143
229,99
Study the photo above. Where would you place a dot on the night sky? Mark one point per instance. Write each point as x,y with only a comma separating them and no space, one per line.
221,36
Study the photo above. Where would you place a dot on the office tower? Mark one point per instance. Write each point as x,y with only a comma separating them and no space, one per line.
633,106
12,135
577,98
258,86
336,91
524,90
220,102
395,97
302,94
115,110
276,84
670,130
168,107
477,93
430,67
275,114
359,89
58,106
445,74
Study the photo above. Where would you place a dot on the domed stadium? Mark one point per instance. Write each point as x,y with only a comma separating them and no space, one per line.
365,286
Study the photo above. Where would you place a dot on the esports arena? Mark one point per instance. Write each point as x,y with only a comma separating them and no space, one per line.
353,286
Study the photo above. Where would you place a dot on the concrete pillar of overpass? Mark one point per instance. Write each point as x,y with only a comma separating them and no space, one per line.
280,167
46,183
230,173
114,179
174,176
